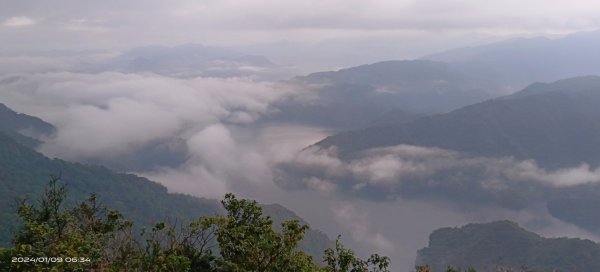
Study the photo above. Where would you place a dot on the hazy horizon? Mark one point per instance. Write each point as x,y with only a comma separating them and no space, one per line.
336,33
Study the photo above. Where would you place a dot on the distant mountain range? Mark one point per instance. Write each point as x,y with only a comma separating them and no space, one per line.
354,97
519,62
190,60
503,244
359,96
556,124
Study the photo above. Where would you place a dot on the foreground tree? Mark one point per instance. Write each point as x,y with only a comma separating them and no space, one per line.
342,259
247,241
90,237
79,236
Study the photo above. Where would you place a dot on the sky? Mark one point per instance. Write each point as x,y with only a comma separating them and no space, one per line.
69,24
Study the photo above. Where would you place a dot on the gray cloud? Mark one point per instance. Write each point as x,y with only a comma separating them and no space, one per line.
231,158
271,14
359,226
219,163
118,24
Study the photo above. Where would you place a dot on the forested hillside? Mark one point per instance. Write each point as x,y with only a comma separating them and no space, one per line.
487,247
24,173
24,128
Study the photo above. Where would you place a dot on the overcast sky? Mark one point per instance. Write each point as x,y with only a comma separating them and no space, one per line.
68,24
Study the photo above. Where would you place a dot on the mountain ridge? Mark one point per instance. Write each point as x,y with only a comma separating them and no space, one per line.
554,127
26,129
518,62
358,96
489,246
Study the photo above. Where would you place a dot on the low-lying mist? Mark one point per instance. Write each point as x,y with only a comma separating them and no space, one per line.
386,200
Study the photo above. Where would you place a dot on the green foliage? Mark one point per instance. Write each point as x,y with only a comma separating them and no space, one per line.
103,239
242,240
13,124
342,259
247,239
49,230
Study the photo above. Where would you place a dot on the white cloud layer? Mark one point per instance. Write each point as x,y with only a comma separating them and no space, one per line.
107,116
359,226
412,172
110,114
19,21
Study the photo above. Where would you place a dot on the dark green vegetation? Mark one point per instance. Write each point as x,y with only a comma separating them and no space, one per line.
23,128
358,96
556,124
503,244
314,241
100,239
24,172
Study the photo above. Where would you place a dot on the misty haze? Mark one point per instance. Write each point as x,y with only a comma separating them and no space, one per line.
330,136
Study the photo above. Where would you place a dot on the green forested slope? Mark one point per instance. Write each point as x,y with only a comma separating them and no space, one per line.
25,172
313,243
22,127
486,247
